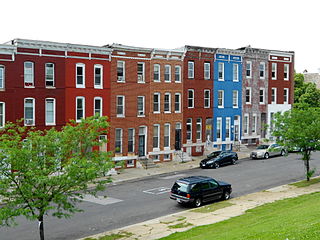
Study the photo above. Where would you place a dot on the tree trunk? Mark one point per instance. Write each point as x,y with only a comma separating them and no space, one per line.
41,228
308,169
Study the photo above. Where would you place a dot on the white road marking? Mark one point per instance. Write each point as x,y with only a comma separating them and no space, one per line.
157,191
102,200
174,176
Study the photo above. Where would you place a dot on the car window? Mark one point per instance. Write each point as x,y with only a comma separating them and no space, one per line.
263,147
196,187
205,185
214,154
180,186
213,184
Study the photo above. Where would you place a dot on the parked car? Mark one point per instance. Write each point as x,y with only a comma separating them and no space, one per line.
219,158
266,151
197,190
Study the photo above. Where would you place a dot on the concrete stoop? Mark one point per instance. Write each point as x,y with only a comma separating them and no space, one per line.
180,156
147,163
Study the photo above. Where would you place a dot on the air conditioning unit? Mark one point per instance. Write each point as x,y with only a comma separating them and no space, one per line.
140,113
140,78
120,78
28,122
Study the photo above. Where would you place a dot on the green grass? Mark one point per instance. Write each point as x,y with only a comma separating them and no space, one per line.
212,207
306,183
180,225
112,236
288,219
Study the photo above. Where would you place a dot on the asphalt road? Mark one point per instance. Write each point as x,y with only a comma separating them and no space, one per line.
139,200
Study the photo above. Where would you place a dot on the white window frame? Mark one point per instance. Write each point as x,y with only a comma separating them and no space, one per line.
95,107
235,99
133,139
263,96
177,103
104,146
228,129
165,103
118,140
83,66
199,129
159,72
177,72
141,113
191,99
273,95
123,107
98,66
189,133
286,71
250,95
121,79
142,80
274,70
166,126
28,84
286,96
235,72
206,70
246,124
54,112
219,129
254,124
264,70
220,70
167,68
206,99
2,75
249,63
30,122
3,115
190,69
220,98
156,135
83,109
46,74
159,101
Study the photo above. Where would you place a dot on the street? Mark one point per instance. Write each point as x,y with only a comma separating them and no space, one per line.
143,199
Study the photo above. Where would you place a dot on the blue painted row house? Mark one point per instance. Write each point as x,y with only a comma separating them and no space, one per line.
227,92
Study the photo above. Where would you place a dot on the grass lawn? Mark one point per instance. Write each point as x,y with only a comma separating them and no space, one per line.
306,183
288,219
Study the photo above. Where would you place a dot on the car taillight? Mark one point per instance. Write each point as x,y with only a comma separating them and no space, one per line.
188,195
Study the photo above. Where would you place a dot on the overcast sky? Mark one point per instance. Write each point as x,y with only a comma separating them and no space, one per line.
289,25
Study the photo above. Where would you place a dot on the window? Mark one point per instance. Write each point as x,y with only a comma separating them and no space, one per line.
80,75
167,135
248,95
1,76
189,129
246,124
228,126
235,99
199,129
261,96
97,106
271,121
206,71
140,105
248,69
98,82
103,141
273,95
177,74
156,102
254,124
286,95
50,111
167,73
219,129
118,141
190,98
120,106
262,70
49,74
121,71
286,72
80,108
209,129
131,140
274,71
190,69
220,98
140,71
156,73
220,71
28,74
177,103
156,136
29,109
235,72
206,98
167,102
2,114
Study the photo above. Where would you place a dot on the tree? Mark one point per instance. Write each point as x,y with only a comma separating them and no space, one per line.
299,128
50,170
305,94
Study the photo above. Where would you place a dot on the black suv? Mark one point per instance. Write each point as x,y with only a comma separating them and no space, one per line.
199,189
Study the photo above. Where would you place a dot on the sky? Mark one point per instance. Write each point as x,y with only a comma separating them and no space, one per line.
288,25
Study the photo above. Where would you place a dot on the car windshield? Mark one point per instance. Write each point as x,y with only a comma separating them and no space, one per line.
214,154
263,147
180,186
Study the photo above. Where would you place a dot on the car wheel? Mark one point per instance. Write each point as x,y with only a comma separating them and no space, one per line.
283,152
226,195
233,161
266,155
197,202
216,165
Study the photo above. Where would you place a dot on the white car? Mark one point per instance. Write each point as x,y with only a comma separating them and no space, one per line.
266,151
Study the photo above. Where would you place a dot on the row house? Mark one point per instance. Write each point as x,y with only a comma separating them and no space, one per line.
227,108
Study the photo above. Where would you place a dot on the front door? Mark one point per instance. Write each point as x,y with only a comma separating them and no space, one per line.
141,145
177,145
236,128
